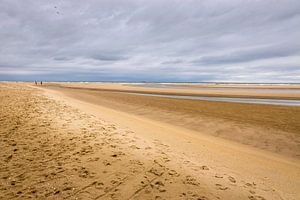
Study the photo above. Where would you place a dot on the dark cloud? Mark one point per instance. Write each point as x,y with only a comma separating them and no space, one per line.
61,58
172,62
108,57
172,40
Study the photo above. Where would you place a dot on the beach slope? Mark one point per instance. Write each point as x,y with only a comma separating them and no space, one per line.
58,147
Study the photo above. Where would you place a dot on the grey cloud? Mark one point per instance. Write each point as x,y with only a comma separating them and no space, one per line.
108,57
61,58
172,62
252,54
170,40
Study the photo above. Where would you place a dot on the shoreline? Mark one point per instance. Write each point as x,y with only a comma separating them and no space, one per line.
176,91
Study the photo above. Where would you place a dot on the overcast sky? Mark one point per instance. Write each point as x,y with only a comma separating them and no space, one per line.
163,40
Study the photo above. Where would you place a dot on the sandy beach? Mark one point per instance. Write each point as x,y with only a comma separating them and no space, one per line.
150,100
70,143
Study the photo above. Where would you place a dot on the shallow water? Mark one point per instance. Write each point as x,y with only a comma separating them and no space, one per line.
228,99
160,85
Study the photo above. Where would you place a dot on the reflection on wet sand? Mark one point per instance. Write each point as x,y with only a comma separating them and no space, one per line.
227,99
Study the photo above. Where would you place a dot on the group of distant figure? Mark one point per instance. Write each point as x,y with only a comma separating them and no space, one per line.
36,83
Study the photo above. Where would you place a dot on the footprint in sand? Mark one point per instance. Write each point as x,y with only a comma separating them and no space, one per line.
252,185
159,143
117,154
136,162
197,168
221,187
84,173
231,179
8,158
204,167
192,196
106,163
156,171
99,185
218,176
256,197
191,181
173,173
134,147
159,185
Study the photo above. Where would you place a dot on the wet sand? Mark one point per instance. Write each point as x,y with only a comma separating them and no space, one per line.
189,91
283,102
59,146
278,88
268,127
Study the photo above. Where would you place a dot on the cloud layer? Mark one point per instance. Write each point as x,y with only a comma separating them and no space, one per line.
192,40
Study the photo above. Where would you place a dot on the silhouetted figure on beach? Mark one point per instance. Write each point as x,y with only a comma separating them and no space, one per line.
35,82
41,82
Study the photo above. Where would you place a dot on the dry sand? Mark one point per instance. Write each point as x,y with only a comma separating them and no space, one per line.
55,146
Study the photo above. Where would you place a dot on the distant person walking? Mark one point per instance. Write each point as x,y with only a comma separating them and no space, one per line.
35,82
41,82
